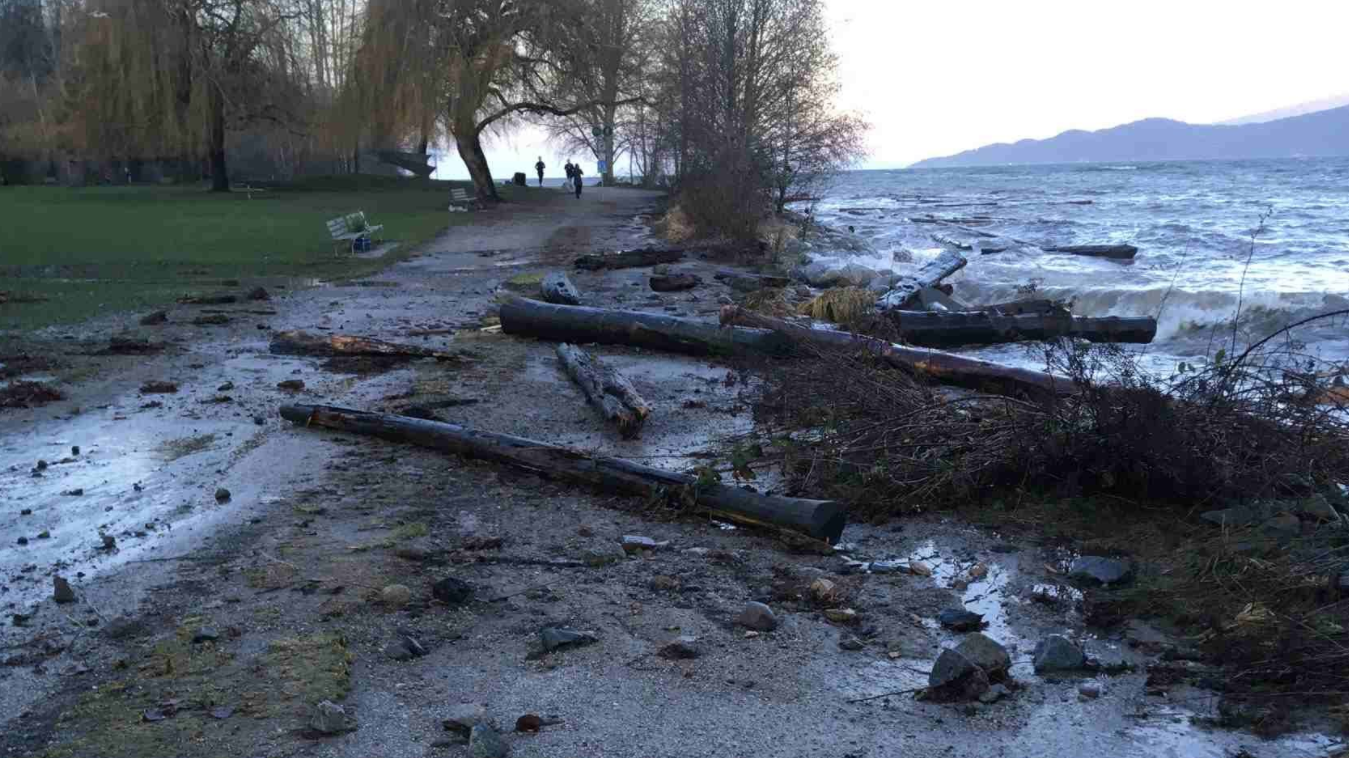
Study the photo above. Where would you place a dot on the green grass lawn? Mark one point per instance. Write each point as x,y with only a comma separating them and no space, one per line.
100,249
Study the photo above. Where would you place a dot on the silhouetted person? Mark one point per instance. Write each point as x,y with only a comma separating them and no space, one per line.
571,171
577,173
539,168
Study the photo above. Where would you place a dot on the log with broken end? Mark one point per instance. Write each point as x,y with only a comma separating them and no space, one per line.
954,328
906,290
675,282
304,343
609,391
959,370
579,324
630,259
822,519
745,282
1113,252
557,288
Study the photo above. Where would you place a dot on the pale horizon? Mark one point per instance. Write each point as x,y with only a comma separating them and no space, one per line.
938,79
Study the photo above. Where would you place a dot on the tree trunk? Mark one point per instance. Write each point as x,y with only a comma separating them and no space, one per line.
906,290
609,391
629,259
822,519
946,329
470,151
564,323
303,343
220,181
959,370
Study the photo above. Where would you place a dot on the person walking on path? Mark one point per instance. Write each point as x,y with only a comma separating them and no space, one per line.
571,171
539,168
577,173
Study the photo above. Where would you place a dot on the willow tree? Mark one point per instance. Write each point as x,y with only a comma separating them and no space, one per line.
164,77
483,61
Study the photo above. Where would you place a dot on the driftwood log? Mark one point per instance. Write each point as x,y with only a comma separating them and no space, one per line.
950,329
629,259
675,282
218,299
609,391
578,324
557,288
1022,307
821,519
1114,252
742,282
959,370
906,290
304,343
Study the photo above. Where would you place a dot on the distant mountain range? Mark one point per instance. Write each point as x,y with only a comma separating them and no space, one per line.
1312,106
1320,134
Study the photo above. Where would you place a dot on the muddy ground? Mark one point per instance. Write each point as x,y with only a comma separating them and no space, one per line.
212,626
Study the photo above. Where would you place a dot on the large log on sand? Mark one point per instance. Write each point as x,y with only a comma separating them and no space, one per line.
822,519
745,282
557,288
950,329
675,282
565,323
1115,252
629,259
959,370
303,343
906,290
609,391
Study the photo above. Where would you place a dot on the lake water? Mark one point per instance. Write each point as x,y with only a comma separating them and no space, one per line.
1192,223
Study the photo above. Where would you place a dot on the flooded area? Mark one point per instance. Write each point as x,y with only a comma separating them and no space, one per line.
317,529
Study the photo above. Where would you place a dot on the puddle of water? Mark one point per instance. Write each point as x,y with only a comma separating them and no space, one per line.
1171,733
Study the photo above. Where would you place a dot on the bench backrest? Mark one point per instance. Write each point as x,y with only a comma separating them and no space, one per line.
337,226
348,224
458,194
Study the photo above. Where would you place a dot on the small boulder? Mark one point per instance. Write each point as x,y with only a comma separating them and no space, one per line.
452,591
603,554
634,544
329,718
462,719
553,637
851,643
954,676
405,648
680,648
1089,690
1099,569
1058,653
395,595
841,615
62,592
222,495
758,617
109,541
824,591
961,620
994,694
986,653
205,634
291,385
484,742
155,319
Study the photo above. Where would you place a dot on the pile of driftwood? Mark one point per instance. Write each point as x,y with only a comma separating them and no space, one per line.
921,311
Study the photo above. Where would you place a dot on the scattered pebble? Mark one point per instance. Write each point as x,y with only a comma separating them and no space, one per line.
680,648
222,495
329,718
484,742
395,595
205,634
451,590
62,592
757,616
961,620
291,385
1089,690
74,449
1058,653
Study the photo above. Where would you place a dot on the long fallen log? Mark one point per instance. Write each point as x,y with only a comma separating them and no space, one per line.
906,290
821,519
609,391
745,282
557,288
944,367
579,324
1021,307
1114,252
629,259
304,343
951,329
675,282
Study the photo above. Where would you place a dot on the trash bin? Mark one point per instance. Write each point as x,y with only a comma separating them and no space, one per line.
520,178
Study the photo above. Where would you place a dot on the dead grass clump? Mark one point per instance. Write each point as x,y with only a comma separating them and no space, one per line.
675,226
21,394
840,305
770,301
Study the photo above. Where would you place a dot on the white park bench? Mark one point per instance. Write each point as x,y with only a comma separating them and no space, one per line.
460,200
350,228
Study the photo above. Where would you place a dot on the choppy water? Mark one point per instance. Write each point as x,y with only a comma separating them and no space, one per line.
1192,223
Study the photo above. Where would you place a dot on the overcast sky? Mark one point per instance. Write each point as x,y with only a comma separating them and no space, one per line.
936,78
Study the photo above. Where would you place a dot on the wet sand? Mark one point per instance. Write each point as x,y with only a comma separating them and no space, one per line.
318,522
